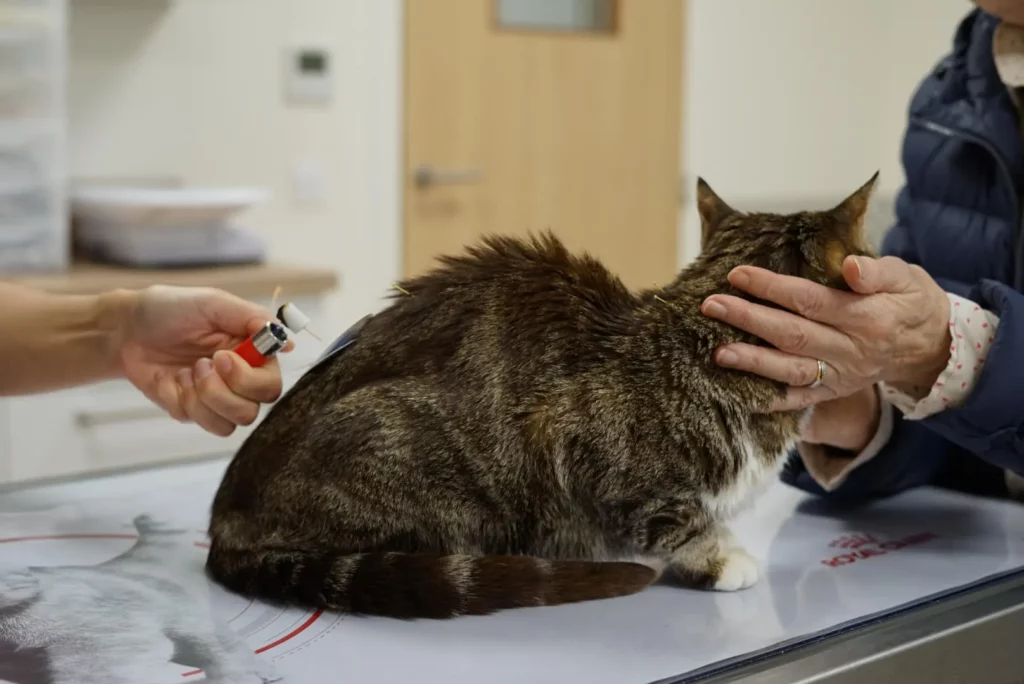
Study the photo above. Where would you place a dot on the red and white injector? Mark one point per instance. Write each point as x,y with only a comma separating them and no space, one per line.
273,337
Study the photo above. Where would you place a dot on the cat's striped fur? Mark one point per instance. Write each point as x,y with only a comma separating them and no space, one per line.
522,430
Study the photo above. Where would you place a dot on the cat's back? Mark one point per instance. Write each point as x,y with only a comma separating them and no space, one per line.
502,300
534,270
484,332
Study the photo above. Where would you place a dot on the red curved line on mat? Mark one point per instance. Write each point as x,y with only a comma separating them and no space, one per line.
297,631
291,635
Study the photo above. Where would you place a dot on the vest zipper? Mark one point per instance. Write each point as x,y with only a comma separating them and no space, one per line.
1018,216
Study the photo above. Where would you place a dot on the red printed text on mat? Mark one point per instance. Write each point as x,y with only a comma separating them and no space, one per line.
859,547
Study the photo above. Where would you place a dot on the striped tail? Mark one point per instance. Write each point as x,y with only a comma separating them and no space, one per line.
401,585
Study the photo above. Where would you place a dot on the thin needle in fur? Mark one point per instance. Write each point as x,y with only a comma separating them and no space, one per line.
273,299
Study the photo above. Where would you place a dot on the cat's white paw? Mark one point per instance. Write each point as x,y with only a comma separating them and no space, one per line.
739,571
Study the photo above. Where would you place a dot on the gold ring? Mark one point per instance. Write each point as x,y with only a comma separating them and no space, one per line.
820,377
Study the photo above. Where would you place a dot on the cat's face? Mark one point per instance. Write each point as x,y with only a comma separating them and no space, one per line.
810,244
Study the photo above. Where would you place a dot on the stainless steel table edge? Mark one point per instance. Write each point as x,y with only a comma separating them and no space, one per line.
985,617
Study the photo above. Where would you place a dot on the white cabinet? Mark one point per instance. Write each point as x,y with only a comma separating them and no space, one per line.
34,231
112,426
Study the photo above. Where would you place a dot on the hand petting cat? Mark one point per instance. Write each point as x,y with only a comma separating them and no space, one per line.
893,328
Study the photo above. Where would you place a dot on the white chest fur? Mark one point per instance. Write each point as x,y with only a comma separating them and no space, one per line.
756,473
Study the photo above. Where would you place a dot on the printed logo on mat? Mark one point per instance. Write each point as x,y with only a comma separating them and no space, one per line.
862,546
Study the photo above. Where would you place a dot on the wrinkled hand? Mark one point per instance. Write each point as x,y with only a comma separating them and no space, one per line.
893,327
176,349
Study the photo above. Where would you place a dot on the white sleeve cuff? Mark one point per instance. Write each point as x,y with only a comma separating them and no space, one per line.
830,472
973,331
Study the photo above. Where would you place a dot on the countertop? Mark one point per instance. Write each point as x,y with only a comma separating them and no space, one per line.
249,281
827,571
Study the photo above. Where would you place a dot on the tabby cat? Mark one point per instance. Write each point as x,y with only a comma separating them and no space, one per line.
517,429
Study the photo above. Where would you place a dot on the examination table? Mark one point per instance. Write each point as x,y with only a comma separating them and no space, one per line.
926,587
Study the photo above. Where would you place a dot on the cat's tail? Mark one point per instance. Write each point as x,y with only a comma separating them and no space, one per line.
403,585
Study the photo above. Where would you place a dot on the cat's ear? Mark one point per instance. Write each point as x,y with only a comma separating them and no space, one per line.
713,211
852,211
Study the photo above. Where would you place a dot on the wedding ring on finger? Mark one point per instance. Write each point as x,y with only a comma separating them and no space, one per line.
820,377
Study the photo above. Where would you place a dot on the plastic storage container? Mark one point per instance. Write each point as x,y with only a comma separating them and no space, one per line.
174,226
34,219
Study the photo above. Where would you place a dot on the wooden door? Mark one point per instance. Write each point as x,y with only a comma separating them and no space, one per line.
516,128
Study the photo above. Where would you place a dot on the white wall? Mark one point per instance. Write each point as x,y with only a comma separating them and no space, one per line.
795,103
788,103
192,88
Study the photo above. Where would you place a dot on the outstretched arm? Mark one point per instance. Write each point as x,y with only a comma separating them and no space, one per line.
49,341
171,343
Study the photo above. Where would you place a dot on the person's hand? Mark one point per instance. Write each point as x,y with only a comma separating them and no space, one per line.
1010,11
893,327
175,348
847,423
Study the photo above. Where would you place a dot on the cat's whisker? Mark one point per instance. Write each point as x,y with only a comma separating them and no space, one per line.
401,289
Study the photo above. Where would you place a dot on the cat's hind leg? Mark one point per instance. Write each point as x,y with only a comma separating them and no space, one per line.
714,559
701,554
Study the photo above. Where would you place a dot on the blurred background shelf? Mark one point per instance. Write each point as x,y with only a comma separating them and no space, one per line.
250,282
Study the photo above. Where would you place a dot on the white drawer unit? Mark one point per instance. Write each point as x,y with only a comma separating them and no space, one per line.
111,425
34,224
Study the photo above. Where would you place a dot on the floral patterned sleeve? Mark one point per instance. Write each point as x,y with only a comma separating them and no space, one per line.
972,329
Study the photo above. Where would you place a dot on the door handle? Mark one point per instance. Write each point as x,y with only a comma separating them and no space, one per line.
425,176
